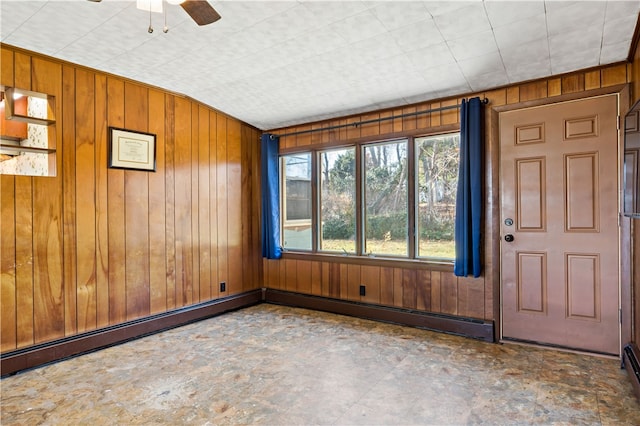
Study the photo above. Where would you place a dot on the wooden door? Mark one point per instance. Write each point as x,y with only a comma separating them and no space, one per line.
559,186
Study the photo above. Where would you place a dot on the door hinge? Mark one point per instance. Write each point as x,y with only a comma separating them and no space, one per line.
620,315
618,122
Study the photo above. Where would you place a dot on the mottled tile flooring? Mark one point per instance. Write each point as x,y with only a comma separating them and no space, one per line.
277,365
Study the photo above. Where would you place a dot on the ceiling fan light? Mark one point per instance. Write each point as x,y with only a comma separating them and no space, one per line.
176,2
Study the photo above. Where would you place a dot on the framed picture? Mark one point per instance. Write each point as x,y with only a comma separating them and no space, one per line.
132,150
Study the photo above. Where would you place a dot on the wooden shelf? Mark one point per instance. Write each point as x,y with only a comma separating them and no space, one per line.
11,114
32,149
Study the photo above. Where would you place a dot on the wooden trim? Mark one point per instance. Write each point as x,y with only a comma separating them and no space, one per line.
388,262
468,327
386,137
630,357
574,96
34,356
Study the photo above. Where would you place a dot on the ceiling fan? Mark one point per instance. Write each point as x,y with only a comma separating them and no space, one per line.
199,10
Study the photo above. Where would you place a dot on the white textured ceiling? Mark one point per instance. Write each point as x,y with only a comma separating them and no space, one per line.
279,63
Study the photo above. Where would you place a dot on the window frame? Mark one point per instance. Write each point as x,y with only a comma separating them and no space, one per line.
412,208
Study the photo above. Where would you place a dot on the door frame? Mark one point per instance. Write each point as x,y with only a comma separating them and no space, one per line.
493,203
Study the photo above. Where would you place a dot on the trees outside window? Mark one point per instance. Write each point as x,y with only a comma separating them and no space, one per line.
437,160
337,174
385,194
389,199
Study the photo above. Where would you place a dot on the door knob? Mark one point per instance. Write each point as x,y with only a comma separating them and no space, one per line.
508,238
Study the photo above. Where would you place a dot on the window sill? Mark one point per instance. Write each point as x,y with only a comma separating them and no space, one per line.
389,262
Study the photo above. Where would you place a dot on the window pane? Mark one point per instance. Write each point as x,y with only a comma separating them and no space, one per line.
338,200
385,195
296,196
437,180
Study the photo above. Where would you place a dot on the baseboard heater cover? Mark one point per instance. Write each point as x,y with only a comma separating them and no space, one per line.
59,349
468,327
630,362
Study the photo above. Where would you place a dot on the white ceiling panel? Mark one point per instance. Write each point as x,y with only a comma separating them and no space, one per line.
279,63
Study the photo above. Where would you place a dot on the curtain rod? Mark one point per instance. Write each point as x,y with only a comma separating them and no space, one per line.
374,120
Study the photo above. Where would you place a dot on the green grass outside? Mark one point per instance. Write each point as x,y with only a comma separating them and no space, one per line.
439,249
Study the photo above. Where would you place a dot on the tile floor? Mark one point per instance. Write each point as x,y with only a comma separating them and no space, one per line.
277,365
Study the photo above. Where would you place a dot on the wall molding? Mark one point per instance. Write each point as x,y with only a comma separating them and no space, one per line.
59,349
467,327
67,347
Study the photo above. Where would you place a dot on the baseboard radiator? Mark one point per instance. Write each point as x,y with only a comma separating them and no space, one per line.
468,327
630,357
44,353
59,349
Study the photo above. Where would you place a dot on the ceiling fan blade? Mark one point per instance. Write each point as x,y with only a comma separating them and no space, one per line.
201,11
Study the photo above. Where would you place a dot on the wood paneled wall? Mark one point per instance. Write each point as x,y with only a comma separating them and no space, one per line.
405,285
94,246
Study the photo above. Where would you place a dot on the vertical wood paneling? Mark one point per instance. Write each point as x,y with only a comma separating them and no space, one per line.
136,189
170,203
8,339
448,293
334,280
24,229
554,87
471,297
95,246
116,209
386,286
222,200
204,203
291,275
157,209
370,129
409,294
423,290
182,158
234,206
68,154
303,277
353,282
397,287
6,68
24,260
213,203
436,291
255,209
370,278
316,278
85,206
48,294
573,83
195,205
102,202
611,76
246,220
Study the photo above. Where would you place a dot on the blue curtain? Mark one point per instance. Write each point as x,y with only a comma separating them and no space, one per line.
469,197
270,198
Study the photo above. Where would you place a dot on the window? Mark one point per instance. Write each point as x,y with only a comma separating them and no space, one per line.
393,199
337,174
436,183
386,210
296,206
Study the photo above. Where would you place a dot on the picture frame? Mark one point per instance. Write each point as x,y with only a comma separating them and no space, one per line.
132,150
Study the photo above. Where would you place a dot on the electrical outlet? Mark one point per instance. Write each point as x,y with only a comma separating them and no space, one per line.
363,290
223,286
